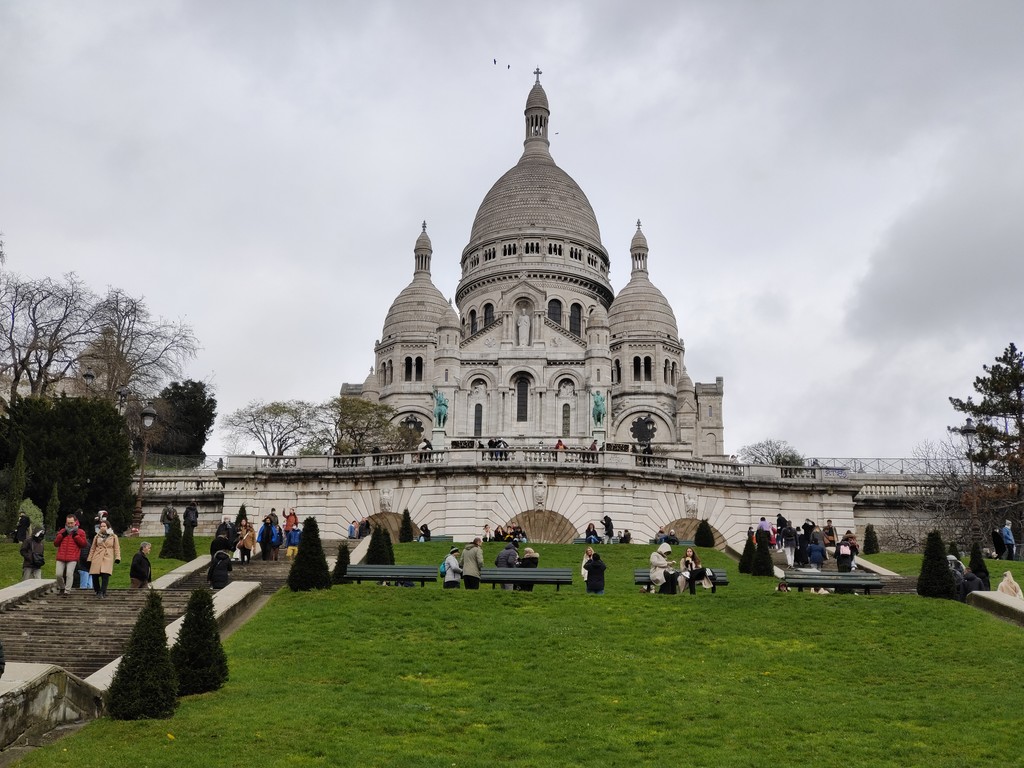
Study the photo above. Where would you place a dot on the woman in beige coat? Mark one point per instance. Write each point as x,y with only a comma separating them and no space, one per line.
105,553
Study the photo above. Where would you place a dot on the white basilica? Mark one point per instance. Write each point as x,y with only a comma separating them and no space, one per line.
540,347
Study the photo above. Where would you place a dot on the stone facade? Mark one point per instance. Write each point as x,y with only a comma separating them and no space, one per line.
539,336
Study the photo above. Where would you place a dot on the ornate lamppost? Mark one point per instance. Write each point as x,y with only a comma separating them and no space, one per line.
148,419
968,431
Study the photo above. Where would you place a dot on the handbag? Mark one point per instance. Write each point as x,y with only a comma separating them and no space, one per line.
38,561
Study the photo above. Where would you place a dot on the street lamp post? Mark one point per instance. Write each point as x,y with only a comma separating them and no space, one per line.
968,431
148,419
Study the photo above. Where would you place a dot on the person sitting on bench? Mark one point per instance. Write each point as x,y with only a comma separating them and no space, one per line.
663,576
694,572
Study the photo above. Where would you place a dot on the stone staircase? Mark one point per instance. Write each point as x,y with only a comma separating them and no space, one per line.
271,575
894,585
79,632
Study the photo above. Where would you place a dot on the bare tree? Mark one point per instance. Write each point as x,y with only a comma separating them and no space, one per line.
44,326
135,350
771,451
278,427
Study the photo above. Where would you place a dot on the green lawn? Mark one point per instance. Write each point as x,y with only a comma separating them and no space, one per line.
10,560
364,675
910,565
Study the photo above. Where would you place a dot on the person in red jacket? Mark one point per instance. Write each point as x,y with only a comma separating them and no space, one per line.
70,540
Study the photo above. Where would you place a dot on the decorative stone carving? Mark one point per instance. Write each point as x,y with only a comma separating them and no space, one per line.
690,505
385,499
540,492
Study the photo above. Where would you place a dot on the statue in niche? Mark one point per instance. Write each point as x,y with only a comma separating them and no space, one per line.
600,409
566,389
478,389
440,408
385,499
523,329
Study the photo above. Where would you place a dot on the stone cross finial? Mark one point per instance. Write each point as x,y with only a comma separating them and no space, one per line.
424,225
538,73
637,223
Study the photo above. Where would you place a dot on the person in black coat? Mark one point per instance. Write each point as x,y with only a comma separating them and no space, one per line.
21,532
217,573
3,664
970,583
141,572
595,568
530,559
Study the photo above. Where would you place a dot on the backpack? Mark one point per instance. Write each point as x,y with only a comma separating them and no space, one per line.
443,567
844,550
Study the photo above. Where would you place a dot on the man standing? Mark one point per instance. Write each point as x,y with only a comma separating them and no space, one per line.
167,516
1011,545
609,529
191,515
69,541
472,563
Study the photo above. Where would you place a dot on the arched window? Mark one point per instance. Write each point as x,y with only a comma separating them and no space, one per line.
522,398
575,319
478,420
555,311
419,369
488,314
666,371
673,373
636,369
472,321
566,420
647,369
408,369
617,372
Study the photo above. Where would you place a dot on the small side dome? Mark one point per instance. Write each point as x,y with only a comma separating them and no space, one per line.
537,98
639,240
641,310
371,387
598,317
450,319
419,307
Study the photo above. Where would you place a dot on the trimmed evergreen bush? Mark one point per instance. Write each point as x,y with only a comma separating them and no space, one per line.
309,569
977,565
197,654
936,580
870,541
171,549
762,565
242,515
747,558
145,685
188,544
406,532
34,513
380,551
341,566
954,550
704,537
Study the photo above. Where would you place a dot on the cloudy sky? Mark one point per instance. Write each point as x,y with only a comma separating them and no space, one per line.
833,193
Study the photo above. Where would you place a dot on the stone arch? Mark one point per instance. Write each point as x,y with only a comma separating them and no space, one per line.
686,530
544,526
390,522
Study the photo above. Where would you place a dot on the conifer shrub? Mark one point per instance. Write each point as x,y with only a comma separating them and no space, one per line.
871,541
936,580
746,564
51,513
954,550
704,537
198,656
406,532
171,549
188,544
34,513
342,563
762,565
977,564
145,685
309,569
242,515
380,551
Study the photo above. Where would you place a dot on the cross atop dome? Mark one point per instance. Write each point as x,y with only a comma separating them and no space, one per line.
538,73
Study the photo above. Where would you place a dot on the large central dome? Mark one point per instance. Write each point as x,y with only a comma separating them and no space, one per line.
535,195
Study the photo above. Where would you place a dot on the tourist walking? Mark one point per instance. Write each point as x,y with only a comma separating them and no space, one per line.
69,541
104,555
452,570
1008,542
472,563
265,537
190,517
816,555
292,539
663,576
141,571
246,541
787,534
845,553
168,514
33,556
291,520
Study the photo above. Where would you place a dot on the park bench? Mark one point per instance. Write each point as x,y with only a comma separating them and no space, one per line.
420,573
681,543
583,540
642,576
837,581
556,576
441,537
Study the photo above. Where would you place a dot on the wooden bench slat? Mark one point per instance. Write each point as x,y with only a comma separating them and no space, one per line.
420,573
864,581
556,576
642,576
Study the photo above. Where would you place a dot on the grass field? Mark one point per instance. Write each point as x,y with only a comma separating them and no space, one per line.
364,675
910,565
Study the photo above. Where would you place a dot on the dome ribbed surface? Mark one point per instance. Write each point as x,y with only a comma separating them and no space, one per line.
639,240
537,98
640,310
417,310
536,195
450,318
598,317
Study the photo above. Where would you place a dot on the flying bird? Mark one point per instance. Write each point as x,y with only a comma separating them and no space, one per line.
495,62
